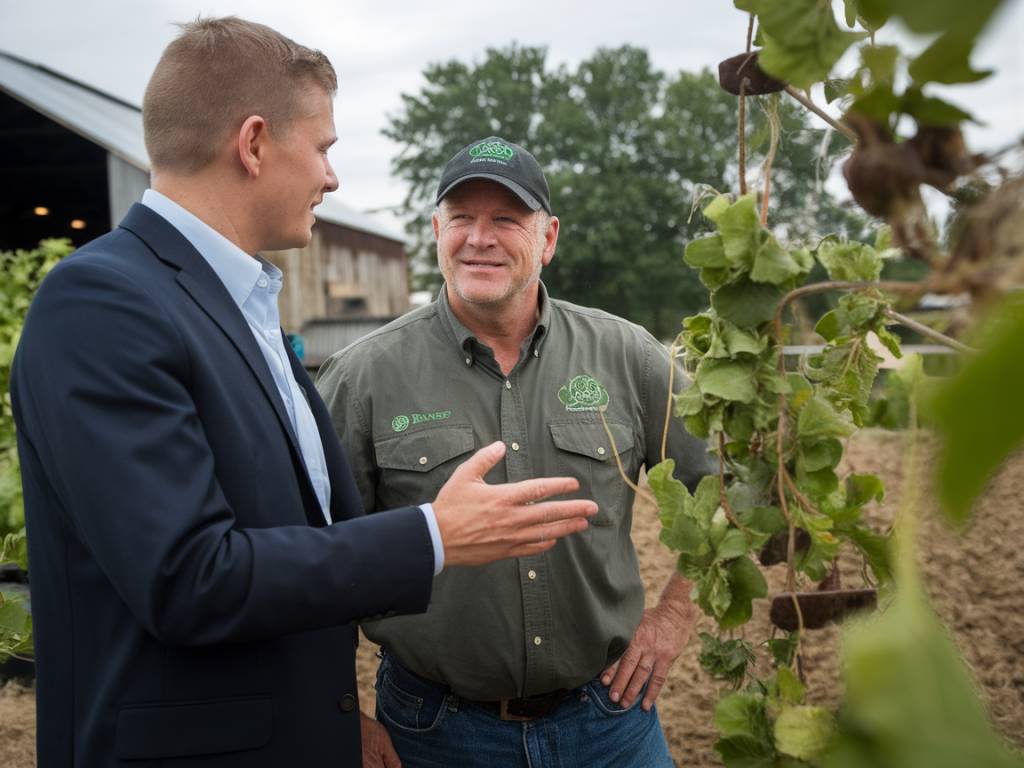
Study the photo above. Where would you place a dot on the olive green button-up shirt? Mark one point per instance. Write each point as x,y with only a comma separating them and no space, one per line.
414,399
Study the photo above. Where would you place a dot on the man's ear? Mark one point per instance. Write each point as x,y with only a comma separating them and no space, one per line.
550,241
252,139
436,221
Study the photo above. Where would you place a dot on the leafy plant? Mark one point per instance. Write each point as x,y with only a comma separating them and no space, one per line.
23,271
779,430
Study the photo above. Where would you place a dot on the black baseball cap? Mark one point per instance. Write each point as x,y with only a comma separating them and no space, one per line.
500,161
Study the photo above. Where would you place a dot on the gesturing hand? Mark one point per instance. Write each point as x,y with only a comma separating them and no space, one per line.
480,523
378,752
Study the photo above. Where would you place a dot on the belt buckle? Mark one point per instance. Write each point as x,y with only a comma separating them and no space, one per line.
511,716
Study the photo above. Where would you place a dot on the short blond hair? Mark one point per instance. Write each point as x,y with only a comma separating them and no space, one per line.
213,76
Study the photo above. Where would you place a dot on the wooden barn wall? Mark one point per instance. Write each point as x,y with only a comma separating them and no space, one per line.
342,273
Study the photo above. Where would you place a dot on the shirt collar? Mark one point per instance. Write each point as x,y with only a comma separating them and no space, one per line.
236,269
463,336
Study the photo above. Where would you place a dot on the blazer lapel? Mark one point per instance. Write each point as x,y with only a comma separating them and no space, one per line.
199,280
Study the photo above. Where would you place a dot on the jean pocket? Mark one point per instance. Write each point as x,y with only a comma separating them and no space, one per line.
407,702
598,694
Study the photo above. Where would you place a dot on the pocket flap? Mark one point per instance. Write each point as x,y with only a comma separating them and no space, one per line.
155,731
425,449
590,439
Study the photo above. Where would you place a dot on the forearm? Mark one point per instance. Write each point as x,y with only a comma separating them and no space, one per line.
675,598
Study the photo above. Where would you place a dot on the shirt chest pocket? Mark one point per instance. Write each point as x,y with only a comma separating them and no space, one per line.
584,452
414,466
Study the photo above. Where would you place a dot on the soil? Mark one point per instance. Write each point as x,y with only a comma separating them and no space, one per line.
974,580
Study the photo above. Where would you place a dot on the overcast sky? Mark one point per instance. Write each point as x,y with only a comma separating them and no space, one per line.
381,48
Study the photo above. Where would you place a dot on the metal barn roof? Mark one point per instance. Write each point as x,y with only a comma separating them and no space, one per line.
116,125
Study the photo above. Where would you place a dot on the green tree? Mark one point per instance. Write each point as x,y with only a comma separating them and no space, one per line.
624,147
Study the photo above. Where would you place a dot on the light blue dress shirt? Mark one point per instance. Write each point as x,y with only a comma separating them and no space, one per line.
254,284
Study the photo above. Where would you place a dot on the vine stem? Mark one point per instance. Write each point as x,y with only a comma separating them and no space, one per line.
766,169
742,142
668,399
931,333
811,106
618,462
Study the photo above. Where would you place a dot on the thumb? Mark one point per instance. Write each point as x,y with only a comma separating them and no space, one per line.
481,462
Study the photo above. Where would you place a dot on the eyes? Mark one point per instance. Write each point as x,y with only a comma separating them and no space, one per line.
464,218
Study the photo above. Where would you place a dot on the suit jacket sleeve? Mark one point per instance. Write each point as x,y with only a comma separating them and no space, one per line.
106,400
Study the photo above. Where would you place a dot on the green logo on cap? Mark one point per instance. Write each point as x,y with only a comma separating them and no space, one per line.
499,150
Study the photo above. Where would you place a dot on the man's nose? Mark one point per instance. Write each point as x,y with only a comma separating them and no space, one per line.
481,234
331,182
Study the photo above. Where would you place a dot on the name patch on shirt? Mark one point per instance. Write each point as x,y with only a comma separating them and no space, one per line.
401,422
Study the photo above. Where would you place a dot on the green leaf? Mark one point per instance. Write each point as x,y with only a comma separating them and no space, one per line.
927,17
726,659
740,342
880,61
727,379
947,60
791,690
741,714
740,227
861,489
783,649
978,412
828,326
876,549
745,303
878,103
746,752
804,732
909,698
734,544
766,520
854,262
836,88
714,210
773,264
746,584
689,402
928,110
818,419
706,252
802,41
850,11
819,454
672,496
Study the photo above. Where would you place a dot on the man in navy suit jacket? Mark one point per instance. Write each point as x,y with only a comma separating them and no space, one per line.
197,548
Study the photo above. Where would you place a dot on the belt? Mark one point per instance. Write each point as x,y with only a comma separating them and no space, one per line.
529,708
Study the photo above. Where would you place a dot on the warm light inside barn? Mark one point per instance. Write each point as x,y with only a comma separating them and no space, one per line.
77,224
41,210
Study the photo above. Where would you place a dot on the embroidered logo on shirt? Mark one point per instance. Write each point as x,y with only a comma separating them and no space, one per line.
401,422
583,393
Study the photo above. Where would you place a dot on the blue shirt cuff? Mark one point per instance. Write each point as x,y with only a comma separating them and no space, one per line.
435,536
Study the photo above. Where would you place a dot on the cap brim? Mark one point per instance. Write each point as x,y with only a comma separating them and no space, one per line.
528,199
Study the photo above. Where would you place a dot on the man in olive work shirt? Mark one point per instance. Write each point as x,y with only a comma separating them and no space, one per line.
545,660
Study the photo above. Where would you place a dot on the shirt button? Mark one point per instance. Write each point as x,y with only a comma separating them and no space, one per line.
508,384
469,361
347,703
515,446
262,282
532,574
600,451
423,459
537,640
536,353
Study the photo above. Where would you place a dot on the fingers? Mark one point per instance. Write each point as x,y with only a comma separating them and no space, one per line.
655,684
551,513
624,673
481,462
530,491
389,754
641,674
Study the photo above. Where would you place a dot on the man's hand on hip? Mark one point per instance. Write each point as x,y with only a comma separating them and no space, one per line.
480,523
378,752
659,639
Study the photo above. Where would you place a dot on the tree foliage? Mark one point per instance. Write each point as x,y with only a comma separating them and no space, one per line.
626,149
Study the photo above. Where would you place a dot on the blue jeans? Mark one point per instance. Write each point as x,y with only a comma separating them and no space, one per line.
432,728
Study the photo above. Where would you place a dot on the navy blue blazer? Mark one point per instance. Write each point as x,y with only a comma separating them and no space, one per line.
190,605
